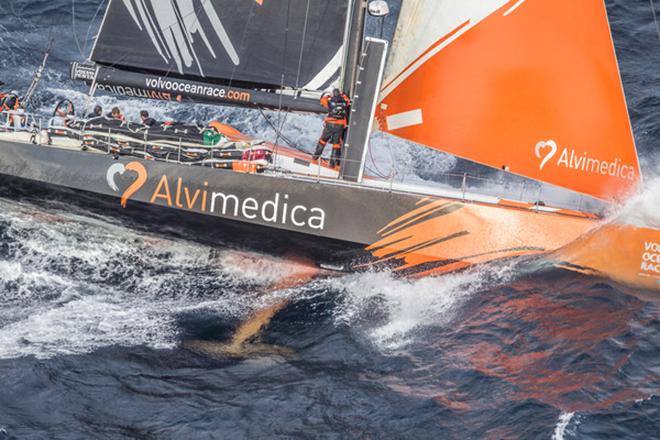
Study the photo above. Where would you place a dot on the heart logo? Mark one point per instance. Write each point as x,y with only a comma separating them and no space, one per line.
550,149
119,168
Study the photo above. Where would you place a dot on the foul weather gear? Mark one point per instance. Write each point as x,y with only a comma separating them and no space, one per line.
149,122
98,112
338,106
10,102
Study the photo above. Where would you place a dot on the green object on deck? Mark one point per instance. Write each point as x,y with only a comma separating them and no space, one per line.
213,138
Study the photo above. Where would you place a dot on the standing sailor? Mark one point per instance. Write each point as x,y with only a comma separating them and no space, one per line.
338,106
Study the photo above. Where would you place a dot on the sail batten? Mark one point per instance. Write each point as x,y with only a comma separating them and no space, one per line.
529,86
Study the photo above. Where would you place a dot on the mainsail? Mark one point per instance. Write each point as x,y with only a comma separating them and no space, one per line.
531,86
295,46
292,43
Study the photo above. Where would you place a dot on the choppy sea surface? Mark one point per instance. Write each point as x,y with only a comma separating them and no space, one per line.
109,331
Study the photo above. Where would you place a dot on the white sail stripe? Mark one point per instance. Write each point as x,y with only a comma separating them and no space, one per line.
186,9
514,7
405,119
419,63
327,72
422,27
192,23
131,11
221,32
150,30
167,19
175,41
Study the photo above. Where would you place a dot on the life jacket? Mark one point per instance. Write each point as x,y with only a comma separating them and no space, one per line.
119,118
338,107
10,102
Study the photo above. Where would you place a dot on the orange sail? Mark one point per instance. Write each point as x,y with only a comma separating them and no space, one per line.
531,86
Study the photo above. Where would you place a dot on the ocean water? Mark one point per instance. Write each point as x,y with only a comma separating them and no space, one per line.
109,331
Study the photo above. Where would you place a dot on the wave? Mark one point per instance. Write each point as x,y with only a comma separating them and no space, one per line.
394,312
71,283
562,425
642,210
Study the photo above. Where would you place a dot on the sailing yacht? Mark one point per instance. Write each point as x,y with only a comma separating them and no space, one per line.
520,86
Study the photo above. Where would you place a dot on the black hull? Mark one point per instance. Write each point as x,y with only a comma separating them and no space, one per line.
326,222
190,226
332,224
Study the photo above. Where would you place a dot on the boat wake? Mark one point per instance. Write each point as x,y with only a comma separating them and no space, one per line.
71,284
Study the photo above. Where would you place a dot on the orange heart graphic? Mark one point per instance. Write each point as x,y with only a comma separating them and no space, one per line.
139,182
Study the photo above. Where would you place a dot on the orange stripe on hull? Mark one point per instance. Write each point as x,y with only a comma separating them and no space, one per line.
626,254
431,240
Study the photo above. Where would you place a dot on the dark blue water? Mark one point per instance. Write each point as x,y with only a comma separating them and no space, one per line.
109,332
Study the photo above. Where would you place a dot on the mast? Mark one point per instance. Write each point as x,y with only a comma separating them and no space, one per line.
362,80
369,80
353,41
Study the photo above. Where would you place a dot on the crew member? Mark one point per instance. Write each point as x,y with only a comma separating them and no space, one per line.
64,112
338,105
10,102
97,112
115,113
146,120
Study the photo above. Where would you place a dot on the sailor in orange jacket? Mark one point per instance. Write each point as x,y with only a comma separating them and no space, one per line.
115,113
338,106
9,101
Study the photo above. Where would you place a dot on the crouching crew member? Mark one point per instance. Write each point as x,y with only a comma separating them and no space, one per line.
96,113
115,113
338,106
146,119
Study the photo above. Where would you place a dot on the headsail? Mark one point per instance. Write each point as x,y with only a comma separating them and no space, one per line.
530,85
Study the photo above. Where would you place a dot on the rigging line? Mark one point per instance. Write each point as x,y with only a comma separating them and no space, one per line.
283,76
73,27
89,28
280,134
655,18
378,172
242,45
300,60
302,45
302,51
